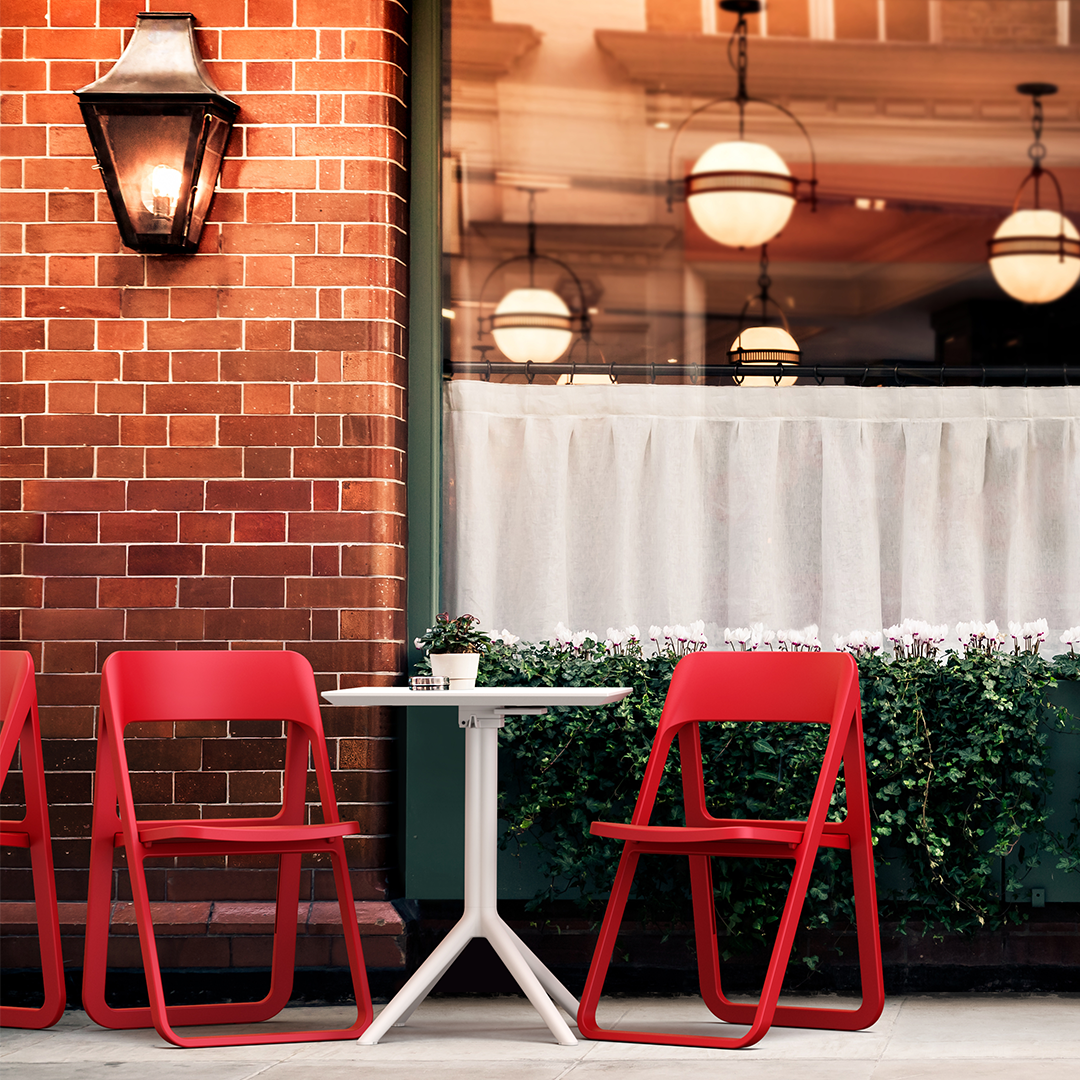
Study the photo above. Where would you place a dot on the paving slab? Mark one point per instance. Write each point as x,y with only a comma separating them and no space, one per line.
919,1037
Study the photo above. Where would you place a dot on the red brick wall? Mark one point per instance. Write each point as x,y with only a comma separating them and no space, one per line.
208,451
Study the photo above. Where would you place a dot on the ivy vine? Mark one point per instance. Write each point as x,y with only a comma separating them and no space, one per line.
957,766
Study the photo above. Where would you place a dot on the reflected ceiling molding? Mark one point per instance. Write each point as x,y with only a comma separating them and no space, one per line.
489,50
646,240
841,289
888,78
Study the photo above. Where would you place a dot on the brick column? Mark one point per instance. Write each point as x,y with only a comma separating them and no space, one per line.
208,451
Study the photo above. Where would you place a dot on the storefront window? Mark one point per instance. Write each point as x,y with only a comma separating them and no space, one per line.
564,113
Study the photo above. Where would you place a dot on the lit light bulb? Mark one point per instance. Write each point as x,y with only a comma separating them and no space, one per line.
741,194
532,325
584,380
1035,255
759,346
164,191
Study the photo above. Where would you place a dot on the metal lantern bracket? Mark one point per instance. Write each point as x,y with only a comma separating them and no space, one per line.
680,190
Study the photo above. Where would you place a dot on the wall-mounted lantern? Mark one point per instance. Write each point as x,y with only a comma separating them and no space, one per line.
159,127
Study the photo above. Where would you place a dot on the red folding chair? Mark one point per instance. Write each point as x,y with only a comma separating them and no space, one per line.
22,729
170,687
821,688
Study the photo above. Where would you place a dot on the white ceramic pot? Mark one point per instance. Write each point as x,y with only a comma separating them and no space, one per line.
459,668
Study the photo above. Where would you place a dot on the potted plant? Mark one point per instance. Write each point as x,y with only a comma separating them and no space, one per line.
454,647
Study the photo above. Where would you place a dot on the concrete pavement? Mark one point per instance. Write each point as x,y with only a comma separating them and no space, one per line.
951,1037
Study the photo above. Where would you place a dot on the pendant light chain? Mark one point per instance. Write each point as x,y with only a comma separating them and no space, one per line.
1037,150
741,65
764,281
532,238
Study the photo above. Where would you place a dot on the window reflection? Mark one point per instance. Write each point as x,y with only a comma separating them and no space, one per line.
920,140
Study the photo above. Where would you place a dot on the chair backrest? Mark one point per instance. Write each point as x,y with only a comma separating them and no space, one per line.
17,697
241,686
749,687
170,686
760,686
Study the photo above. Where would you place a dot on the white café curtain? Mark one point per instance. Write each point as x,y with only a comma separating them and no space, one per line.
849,507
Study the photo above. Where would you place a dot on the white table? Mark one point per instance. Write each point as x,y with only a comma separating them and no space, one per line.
480,713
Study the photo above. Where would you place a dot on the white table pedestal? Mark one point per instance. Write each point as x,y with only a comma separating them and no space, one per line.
481,713
481,918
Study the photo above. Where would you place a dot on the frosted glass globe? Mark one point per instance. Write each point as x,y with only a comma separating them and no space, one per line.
531,325
761,206
1036,277
765,345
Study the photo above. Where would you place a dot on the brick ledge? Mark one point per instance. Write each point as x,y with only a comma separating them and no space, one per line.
186,917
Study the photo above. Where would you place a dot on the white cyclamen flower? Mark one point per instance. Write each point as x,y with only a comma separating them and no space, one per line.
507,638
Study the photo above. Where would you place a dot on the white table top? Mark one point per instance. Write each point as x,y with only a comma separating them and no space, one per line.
490,697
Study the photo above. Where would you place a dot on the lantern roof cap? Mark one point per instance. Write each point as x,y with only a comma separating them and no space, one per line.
161,59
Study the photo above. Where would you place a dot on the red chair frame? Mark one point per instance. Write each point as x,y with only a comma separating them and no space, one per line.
773,687
204,686
22,728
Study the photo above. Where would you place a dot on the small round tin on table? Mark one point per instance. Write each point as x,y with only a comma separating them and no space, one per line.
429,682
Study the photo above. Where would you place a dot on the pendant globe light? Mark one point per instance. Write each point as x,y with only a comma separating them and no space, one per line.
533,324
741,193
765,346
1035,254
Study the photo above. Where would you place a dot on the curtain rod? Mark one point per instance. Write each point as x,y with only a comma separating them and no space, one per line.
893,373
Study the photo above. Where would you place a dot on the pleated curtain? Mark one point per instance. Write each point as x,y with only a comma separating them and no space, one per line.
849,507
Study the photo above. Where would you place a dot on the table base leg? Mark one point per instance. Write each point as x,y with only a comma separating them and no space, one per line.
562,997
528,971
507,944
405,1002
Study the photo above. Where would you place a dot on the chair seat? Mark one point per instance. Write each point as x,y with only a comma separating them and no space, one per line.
247,834
684,836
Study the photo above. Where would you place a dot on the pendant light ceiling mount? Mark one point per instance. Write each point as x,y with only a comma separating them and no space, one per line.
532,324
1035,254
741,193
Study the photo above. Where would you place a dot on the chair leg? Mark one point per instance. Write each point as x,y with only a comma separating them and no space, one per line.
594,984
106,824
707,945
868,941
284,948
35,825
52,960
353,948
605,945
871,975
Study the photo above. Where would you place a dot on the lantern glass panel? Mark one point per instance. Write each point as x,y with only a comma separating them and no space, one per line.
206,181
148,155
